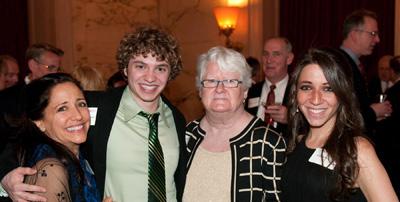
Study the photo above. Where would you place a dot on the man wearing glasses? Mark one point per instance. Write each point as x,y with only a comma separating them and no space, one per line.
42,59
136,143
360,31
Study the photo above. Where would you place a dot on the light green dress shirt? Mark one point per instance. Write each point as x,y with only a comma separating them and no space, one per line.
127,152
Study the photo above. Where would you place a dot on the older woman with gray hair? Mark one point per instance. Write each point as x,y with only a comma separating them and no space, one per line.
233,156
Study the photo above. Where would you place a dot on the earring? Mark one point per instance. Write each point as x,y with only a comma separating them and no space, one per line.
297,110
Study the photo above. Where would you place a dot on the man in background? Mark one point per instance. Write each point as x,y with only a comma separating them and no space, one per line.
361,35
118,144
379,84
277,56
9,66
388,129
42,59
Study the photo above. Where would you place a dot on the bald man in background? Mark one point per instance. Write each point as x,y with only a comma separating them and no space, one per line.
381,82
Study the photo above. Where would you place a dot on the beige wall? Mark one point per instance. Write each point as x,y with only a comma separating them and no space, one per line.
397,28
89,32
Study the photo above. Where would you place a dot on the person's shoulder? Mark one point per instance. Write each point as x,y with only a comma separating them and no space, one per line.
257,85
13,90
192,125
255,90
176,112
49,163
267,132
48,168
365,150
395,89
109,95
107,92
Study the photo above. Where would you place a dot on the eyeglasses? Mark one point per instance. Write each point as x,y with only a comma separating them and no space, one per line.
49,67
228,83
372,34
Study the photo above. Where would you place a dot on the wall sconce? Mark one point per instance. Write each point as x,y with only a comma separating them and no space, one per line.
227,19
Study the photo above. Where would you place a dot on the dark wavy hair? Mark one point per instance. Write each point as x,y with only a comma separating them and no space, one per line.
29,135
154,41
341,145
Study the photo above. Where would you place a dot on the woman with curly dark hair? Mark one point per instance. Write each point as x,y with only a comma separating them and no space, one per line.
329,158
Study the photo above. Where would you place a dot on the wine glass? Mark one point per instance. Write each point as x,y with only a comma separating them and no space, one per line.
382,97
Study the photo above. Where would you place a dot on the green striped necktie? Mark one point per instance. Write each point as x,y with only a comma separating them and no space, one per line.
156,169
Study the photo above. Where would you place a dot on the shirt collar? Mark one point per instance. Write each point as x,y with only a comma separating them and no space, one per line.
352,55
279,84
130,109
27,80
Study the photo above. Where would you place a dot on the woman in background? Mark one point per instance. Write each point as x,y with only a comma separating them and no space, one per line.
90,78
329,158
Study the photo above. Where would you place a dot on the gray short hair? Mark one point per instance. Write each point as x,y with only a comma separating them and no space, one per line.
227,60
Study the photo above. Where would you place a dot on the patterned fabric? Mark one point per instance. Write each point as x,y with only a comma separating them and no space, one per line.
156,165
258,154
89,193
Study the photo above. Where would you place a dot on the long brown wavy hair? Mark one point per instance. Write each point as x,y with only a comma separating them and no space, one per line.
341,144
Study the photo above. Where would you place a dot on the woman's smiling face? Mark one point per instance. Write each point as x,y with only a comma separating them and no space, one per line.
315,98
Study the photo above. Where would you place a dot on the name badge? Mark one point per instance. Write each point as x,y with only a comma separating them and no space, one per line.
253,102
326,160
93,114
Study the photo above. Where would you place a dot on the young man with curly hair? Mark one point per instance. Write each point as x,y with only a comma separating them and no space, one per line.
118,147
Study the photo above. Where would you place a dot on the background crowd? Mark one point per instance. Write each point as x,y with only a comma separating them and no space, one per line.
321,131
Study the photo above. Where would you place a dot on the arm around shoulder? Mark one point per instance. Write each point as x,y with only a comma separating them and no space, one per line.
373,179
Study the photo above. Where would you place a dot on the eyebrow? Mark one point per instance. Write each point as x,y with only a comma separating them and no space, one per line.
309,82
58,105
163,63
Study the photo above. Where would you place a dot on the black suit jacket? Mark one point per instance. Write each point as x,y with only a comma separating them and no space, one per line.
96,145
362,95
255,92
12,105
388,128
387,145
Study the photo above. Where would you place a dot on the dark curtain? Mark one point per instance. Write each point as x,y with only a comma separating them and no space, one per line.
316,23
14,30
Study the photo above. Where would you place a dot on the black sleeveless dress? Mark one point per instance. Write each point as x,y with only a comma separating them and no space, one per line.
306,181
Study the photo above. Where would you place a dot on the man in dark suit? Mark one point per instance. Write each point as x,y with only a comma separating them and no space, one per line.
118,145
277,56
360,31
380,83
388,129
